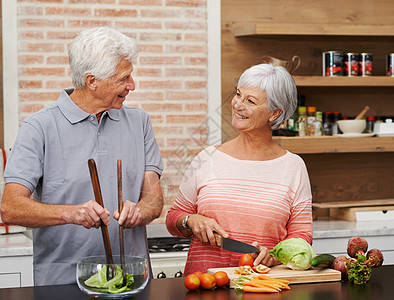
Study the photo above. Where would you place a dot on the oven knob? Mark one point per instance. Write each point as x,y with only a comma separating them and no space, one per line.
161,275
178,274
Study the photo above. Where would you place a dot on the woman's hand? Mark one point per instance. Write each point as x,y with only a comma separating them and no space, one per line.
203,228
263,257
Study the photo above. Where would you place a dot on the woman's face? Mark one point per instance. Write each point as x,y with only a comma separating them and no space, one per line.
250,110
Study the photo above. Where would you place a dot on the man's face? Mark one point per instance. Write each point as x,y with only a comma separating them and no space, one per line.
113,91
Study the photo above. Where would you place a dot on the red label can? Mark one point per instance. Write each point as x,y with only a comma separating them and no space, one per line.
332,63
365,64
350,64
389,65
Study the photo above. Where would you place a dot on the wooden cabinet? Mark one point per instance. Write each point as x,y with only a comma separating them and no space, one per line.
340,169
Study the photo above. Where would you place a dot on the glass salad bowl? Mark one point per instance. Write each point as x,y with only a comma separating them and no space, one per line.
92,276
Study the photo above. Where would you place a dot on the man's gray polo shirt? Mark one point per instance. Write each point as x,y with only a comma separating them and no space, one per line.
50,157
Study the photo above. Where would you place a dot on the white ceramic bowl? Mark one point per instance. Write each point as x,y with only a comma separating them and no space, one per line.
351,126
89,266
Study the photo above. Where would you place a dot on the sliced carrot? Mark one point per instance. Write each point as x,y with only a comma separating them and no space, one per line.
253,289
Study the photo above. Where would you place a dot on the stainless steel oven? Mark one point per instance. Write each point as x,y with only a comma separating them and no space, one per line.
167,253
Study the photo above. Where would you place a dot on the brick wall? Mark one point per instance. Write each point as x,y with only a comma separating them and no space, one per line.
171,72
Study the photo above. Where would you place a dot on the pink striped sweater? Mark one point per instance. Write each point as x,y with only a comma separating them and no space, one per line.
263,201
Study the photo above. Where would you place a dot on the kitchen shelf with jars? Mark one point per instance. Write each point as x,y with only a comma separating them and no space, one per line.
325,144
341,169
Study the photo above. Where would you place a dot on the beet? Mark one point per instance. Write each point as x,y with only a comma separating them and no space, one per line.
375,258
341,263
356,244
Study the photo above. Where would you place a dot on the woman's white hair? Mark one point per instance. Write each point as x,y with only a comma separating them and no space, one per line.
278,86
98,51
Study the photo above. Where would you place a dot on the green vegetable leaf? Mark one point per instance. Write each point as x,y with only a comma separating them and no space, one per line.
296,253
99,279
114,285
359,272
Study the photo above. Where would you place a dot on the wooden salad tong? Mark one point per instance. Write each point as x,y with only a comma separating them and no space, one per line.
99,200
120,207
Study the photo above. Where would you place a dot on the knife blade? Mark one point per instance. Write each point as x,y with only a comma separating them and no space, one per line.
234,245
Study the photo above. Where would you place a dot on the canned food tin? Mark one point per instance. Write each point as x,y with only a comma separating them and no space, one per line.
365,64
350,64
332,63
390,65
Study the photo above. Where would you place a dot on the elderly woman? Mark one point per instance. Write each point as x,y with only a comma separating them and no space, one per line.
249,188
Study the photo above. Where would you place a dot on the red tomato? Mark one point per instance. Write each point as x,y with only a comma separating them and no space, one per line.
198,273
207,281
221,278
192,282
246,260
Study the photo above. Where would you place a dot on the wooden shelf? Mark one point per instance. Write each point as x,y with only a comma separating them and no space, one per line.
318,29
355,81
350,203
334,144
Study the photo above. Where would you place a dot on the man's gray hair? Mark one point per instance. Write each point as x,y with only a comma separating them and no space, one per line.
98,51
278,85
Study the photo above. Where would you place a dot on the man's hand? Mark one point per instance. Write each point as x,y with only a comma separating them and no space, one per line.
131,215
89,214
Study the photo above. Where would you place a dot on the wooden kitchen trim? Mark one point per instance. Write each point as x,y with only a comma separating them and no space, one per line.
334,144
358,203
336,81
269,28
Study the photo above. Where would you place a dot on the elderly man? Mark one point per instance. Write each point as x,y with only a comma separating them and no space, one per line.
50,158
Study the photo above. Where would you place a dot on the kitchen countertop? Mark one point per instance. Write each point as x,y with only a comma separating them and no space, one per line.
338,228
379,287
321,229
15,244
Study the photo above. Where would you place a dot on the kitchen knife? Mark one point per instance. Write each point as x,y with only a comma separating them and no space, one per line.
234,245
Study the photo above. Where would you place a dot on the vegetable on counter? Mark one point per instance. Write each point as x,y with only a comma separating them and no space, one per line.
192,282
357,268
355,245
206,281
296,253
246,260
260,284
114,285
323,260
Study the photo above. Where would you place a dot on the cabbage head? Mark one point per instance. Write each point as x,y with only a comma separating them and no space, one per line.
296,253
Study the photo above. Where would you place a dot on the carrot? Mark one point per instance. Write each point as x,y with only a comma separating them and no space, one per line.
283,284
265,277
259,283
253,289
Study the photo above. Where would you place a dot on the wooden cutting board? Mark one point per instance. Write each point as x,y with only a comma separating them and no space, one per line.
294,276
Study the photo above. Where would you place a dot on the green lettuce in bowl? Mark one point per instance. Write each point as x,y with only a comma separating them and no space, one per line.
92,276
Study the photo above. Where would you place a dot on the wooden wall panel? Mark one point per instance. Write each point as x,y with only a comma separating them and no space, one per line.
309,11
335,177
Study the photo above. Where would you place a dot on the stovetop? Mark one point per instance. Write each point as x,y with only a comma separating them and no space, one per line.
168,244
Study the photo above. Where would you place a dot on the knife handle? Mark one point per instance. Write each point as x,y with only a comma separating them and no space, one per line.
219,239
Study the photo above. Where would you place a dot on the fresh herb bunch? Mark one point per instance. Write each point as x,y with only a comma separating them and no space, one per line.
359,271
